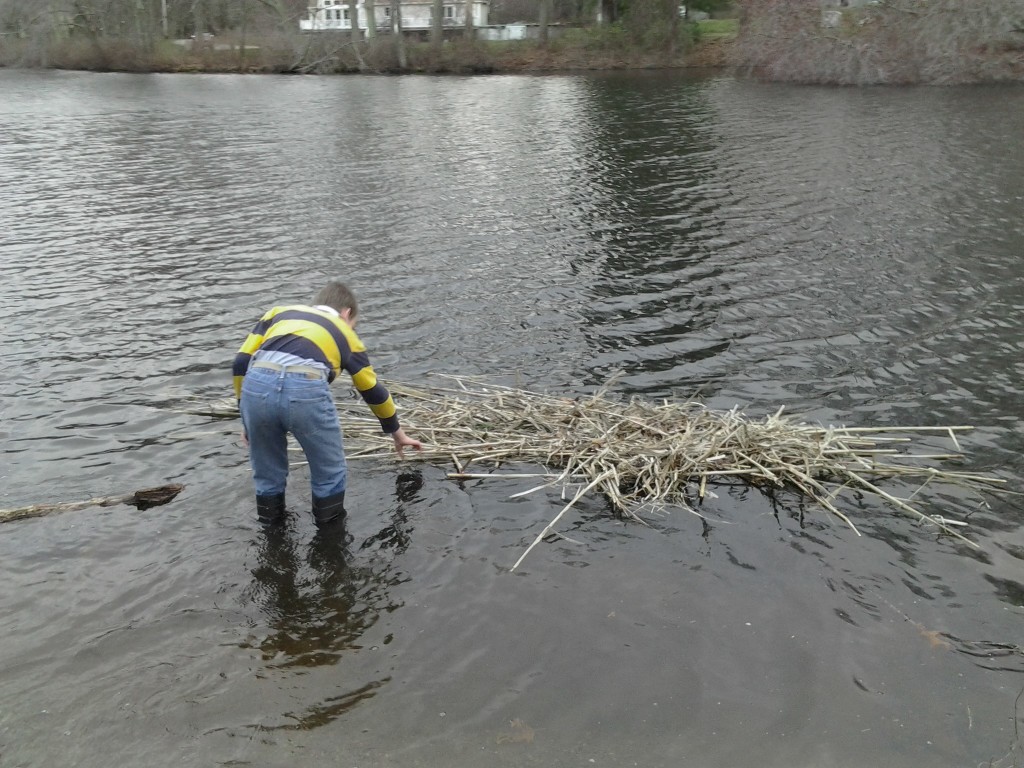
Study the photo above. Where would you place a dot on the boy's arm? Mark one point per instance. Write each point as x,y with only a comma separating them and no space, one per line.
238,369
252,342
374,394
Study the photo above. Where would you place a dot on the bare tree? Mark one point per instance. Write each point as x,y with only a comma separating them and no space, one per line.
243,28
371,20
147,25
399,35
437,25
652,24
353,20
197,21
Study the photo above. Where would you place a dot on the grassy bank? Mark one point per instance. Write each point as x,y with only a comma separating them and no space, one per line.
704,44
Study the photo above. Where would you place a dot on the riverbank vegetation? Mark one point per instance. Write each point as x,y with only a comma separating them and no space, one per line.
265,36
575,49
843,42
870,42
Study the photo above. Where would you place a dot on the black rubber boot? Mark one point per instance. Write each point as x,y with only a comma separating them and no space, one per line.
329,509
270,509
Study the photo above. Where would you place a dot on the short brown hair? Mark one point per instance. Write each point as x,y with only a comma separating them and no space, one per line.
338,297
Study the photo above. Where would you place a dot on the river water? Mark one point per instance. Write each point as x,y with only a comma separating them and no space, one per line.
856,256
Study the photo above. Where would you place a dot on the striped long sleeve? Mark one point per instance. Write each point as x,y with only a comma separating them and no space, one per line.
324,338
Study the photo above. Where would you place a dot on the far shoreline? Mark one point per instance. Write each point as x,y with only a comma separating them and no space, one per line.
458,58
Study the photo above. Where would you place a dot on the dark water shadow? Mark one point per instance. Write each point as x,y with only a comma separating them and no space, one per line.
319,599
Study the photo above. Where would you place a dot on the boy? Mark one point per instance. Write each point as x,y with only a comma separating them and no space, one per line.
281,378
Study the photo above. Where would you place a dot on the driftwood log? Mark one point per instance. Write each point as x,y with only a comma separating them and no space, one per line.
142,499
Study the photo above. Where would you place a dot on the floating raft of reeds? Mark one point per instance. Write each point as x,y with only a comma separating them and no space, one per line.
645,456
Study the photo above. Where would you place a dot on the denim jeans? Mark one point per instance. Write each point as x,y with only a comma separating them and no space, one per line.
275,403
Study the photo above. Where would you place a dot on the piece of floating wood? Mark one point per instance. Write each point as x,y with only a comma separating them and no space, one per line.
868,430
493,476
142,499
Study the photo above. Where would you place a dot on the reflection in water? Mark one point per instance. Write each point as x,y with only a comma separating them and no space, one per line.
654,233
313,618
318,604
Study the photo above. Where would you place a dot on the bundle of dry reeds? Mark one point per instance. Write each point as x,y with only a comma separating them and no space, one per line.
644,456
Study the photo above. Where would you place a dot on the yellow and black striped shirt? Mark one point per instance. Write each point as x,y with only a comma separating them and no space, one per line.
319,336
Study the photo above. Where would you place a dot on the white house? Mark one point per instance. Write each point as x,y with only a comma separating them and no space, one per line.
416,14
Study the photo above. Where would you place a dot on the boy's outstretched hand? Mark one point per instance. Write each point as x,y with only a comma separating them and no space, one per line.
403,441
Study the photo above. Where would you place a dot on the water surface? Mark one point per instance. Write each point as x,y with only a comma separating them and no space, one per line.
852,255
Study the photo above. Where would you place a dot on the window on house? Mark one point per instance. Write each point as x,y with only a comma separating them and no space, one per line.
344,14
449,11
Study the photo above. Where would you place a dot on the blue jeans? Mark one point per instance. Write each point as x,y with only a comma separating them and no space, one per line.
275,403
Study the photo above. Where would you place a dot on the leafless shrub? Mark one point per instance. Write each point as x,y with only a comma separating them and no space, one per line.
459,55
892,41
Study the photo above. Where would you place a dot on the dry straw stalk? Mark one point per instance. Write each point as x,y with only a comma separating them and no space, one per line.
643,456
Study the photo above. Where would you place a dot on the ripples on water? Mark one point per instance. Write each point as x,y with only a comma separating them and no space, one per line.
853,255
